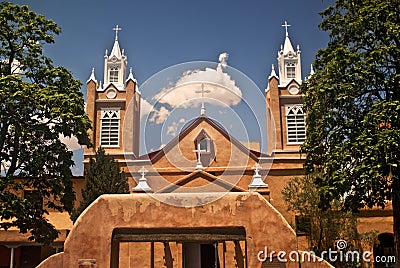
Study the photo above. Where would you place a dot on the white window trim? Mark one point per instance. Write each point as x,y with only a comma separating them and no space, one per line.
103,111
291,64
288,107
109,74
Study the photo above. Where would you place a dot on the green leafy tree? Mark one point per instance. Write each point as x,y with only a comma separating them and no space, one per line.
323,227
353,105
38,103
103,177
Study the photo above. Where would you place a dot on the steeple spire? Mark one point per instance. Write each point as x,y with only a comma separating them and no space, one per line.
116,51
115,64
202,91
287,47
289,61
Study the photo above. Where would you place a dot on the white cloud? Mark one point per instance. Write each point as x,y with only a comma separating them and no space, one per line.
173,128
71,143
159,116
220,88
223,57
155,116
145,107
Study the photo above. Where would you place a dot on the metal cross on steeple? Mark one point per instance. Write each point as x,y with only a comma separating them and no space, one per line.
116,29
202,91
286,25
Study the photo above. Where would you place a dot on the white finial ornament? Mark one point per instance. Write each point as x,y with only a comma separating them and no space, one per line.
130,76
257,181
116,29
273,73
142,186
202,91
92,77
143,171
256,168
286,25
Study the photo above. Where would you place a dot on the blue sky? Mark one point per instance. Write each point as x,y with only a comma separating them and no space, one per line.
159,34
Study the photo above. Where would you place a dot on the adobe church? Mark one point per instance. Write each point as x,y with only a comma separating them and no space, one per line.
202,200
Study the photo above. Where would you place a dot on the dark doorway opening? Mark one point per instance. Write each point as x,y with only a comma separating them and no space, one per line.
209,255
191,247
30,256
200,255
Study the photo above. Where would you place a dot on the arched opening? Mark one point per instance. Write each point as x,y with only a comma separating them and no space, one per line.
204,146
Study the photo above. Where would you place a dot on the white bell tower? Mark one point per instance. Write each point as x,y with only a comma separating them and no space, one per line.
115,65
289,61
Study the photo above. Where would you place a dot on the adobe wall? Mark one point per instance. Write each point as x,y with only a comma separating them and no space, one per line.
91,235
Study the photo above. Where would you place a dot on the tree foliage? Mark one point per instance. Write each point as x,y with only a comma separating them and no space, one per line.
323,227
38,102
103,177
353,106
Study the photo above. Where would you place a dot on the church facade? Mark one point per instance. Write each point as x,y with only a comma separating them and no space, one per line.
203,199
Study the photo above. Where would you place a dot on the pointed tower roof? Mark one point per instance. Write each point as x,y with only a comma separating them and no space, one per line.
92,77
273,73
116,50
130,76
287,47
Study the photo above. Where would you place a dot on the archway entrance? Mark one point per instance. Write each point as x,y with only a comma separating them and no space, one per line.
180,247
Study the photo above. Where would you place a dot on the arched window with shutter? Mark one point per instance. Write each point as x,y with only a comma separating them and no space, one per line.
295,124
